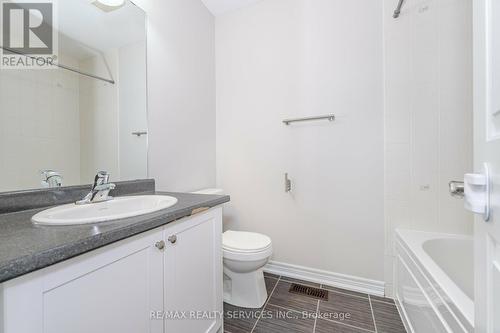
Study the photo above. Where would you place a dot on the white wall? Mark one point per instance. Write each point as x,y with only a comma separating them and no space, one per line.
292,58
39,126
181,94
133,105
428,121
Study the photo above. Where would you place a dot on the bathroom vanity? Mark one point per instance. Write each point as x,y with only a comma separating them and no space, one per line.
150,262
159,272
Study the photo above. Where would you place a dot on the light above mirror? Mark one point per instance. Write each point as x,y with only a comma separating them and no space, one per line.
108,5
112,3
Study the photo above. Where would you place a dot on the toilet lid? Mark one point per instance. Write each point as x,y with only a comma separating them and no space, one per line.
242,241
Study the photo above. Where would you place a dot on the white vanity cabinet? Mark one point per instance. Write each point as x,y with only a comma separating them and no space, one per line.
193,274
169,273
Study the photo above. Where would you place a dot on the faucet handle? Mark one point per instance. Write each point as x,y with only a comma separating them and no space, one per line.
100,189
102,177
51,178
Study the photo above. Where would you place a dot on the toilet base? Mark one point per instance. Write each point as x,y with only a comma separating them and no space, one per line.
246,290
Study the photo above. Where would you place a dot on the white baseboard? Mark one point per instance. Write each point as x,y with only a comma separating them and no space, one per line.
343,281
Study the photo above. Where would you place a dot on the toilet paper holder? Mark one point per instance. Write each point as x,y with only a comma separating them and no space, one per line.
477,192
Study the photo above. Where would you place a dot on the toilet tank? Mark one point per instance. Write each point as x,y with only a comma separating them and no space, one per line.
213,191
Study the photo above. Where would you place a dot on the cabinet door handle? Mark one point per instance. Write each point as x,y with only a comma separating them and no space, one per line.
172,239
160,245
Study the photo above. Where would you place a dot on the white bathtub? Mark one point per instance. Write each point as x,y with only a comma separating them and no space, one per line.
434,281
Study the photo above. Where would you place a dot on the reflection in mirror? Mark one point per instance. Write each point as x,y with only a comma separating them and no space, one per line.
61,125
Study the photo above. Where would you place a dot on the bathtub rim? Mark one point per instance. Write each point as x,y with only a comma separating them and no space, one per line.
412,241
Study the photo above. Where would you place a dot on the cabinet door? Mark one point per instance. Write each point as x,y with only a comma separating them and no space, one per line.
193,274
110,290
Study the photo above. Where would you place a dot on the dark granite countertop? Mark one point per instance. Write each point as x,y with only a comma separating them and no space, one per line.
25,247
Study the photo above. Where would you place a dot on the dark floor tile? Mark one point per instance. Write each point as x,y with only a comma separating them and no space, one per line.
325,326
270,283
282,297
278,320
351,310
239,320
305,283
387,318
345,291
274,276
381,299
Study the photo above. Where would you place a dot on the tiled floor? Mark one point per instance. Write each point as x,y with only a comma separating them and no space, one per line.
344,312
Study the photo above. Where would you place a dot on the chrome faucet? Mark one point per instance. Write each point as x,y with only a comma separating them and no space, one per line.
51,178
100,190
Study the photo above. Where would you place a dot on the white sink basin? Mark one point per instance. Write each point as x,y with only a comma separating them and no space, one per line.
115,209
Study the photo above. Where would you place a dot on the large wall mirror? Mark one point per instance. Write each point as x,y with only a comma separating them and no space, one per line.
86,113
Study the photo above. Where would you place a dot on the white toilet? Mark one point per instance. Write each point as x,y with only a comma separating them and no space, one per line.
245,254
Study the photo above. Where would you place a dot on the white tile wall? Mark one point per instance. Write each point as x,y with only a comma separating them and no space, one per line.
39,126
56,119
428,117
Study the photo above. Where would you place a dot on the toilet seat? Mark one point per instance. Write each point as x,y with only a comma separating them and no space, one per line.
245,246
242,241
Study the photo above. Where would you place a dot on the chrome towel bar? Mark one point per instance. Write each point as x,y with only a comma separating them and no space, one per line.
330,117
140,133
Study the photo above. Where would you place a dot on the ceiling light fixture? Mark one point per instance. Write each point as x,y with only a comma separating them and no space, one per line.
112,3
108,5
